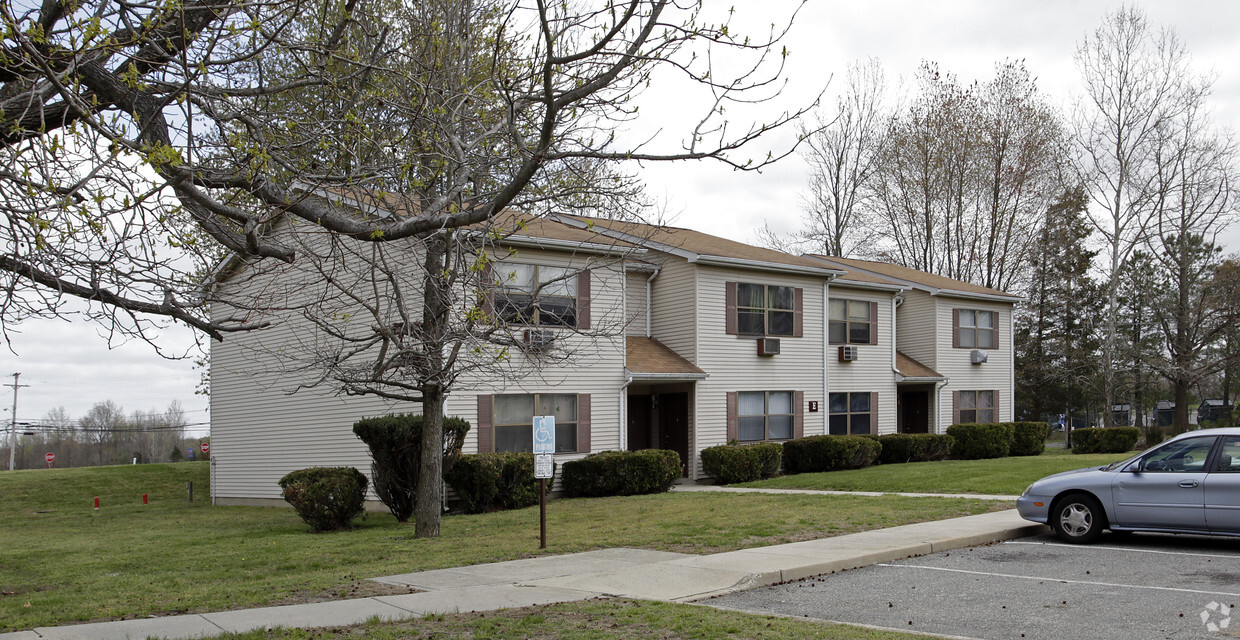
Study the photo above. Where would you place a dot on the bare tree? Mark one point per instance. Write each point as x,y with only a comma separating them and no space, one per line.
843,150
1136,79
966,175
1196,200
100,427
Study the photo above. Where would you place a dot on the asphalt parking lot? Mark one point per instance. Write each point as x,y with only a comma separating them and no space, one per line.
1134,587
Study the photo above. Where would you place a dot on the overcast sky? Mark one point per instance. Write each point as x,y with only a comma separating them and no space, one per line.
69,364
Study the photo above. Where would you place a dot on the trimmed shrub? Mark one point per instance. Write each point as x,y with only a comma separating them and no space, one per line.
1105,440
621,473
731,463
1153,435
395,443
1029,438
493,481
913,447
830,453
326,498
971,441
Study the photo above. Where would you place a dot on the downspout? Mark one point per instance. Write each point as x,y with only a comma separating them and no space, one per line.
624,409
649,282
896,301
938,406
1011,394
826,357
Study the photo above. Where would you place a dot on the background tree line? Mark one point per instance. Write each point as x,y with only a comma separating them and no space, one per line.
1106,218
105,435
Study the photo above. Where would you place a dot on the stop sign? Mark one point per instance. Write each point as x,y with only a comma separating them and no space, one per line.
50,457
206,446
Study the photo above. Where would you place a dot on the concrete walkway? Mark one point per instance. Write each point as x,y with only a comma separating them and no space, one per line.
633,573
707,488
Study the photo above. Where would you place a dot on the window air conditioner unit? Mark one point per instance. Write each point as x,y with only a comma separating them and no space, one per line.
977,356
848,353
768,346
539,338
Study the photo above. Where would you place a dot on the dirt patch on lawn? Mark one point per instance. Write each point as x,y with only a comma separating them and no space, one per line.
359,589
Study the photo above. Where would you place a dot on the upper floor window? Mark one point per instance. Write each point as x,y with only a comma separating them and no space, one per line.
513,420
976,329
852,322
764,415
976,406
763,310
536,294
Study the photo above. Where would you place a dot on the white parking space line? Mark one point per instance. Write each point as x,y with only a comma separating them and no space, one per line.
1094,546
1061,580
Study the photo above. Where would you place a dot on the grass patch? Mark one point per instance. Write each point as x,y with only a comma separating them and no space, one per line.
999,476
65,562
592,620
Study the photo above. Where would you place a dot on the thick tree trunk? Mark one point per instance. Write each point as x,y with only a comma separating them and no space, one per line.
428,507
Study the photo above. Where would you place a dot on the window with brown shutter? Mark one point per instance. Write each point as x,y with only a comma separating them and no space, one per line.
761,310
974,329
765,415
541,295
852,321
512,420
852,413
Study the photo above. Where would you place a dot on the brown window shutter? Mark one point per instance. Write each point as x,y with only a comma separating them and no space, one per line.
874,412
995,329
798,330
731,419
583,423
955,329
487,303
955,406
729,304
583,299
873,323
995,397
486,442
798,412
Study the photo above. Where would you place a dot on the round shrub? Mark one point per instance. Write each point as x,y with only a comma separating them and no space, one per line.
732,463
326,498
972,441
1029,438
493,481
830,453
1105,440
621,473
913,447
1153,435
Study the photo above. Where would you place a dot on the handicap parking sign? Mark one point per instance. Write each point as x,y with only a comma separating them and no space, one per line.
544,434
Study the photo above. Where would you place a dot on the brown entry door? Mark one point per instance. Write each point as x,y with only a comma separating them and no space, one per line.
674,426
916,411
639,422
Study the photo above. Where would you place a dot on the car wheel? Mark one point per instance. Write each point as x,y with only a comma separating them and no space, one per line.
1078,518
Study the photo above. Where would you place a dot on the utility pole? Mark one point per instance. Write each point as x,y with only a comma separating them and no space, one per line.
13,427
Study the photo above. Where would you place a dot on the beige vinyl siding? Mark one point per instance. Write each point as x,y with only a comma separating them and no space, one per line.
733,363
635,303
260,432
995,373
674,318
871,371
916,336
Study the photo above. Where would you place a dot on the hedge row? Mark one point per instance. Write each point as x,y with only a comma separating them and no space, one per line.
829,453
913,447
622,473
1105,440
491,481
731,463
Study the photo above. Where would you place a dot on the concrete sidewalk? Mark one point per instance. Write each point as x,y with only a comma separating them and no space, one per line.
633,573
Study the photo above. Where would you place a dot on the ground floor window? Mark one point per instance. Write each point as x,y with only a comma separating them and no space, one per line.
976,406
849,413
513,420
764,415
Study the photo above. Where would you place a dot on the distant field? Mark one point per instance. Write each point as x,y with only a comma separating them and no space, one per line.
998,476
64,562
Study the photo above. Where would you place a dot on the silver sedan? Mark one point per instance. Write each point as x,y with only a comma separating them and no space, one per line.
1189,484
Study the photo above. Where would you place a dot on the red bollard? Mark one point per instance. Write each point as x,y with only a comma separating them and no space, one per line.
96,503
144,498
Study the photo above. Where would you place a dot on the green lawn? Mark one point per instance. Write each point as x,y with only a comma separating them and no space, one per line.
999,476
594,620
64,562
